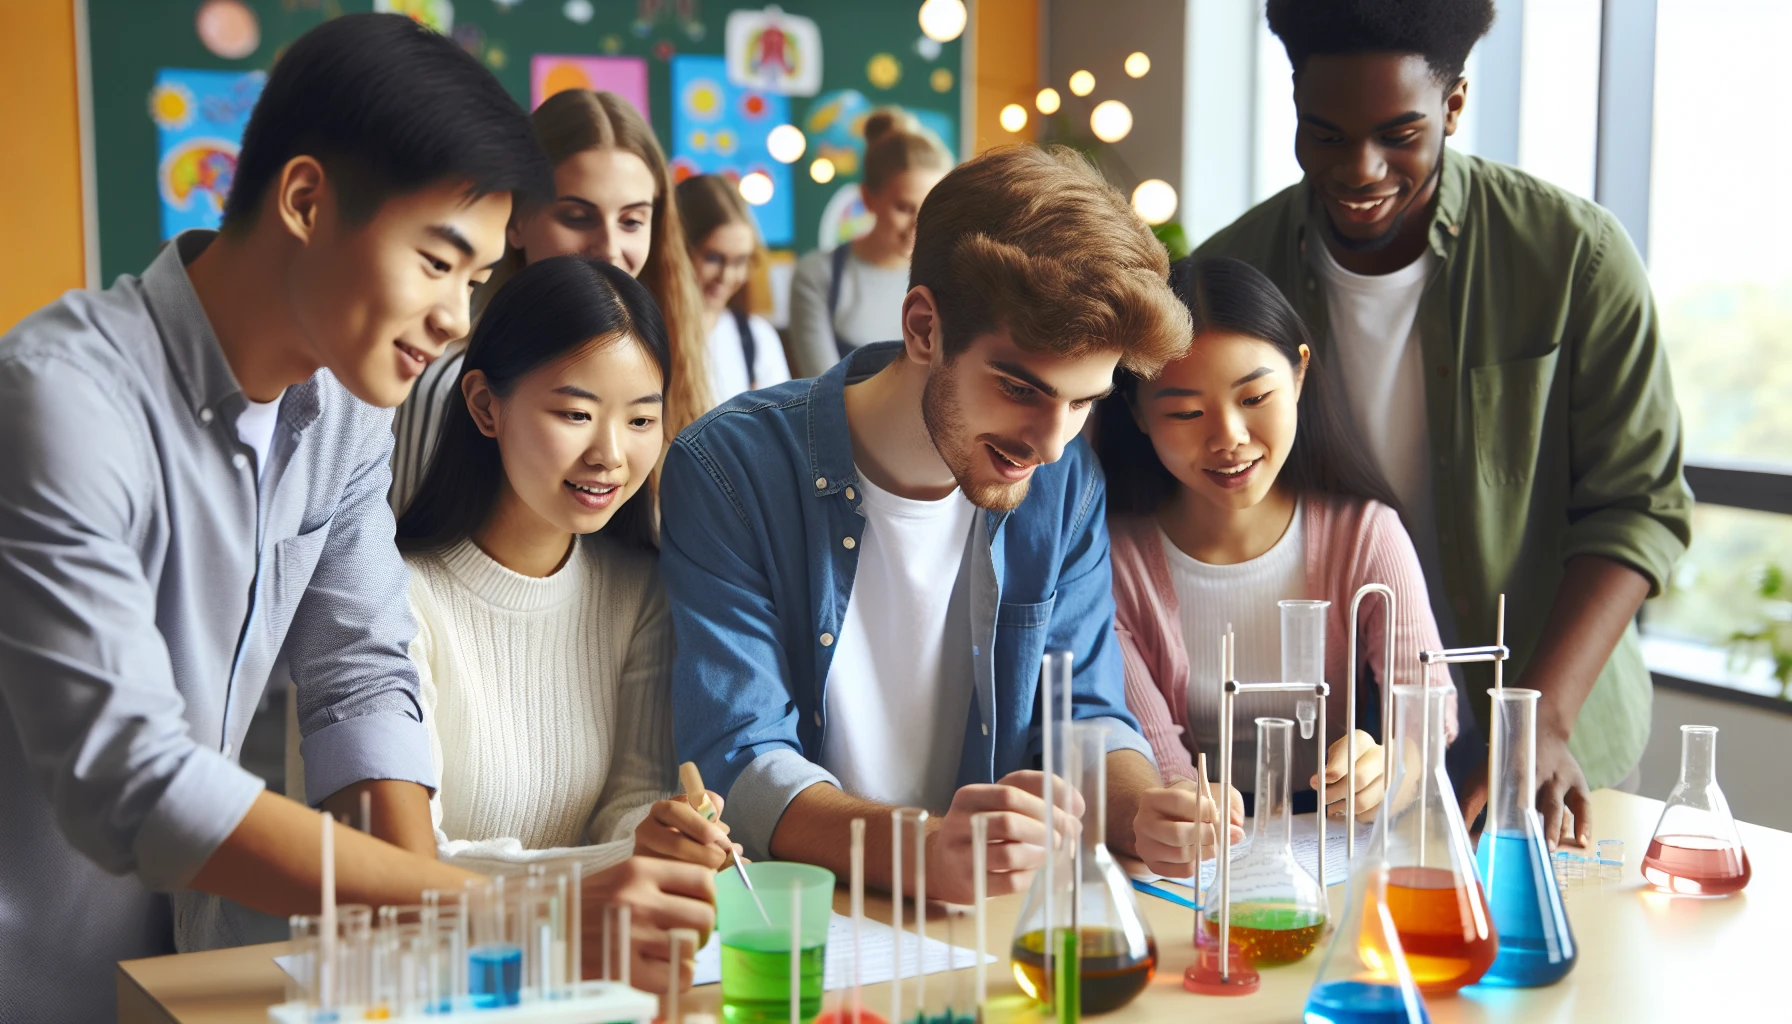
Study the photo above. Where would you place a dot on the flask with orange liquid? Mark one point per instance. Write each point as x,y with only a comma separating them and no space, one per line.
1433,893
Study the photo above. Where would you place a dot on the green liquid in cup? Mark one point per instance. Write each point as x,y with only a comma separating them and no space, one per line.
756,978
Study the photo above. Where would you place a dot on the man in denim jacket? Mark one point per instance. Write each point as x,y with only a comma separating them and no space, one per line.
865,568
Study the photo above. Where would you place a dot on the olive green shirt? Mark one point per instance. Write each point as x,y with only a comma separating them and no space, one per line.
1551,411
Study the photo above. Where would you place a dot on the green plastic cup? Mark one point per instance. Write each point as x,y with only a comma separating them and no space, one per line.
756,970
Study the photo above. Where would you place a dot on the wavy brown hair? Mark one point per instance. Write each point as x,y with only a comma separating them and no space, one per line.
707,202
571,122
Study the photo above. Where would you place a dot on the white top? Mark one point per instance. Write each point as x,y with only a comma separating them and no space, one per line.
899,688
548,702
255,428
418,422
1244,595
1376,352
728,361
870,309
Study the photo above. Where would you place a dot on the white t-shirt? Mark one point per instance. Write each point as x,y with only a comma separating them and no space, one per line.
1376,352
728,374
899,688
255,428
1245,595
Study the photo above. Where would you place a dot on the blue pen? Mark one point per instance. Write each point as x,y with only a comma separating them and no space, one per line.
1165,894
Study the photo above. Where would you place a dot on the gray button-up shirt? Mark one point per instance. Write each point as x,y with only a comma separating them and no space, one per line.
146,591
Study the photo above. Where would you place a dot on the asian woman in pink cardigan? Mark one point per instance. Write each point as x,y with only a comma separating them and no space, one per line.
1234,483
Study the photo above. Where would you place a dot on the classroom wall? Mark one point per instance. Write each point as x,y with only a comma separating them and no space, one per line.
40,158
1005,68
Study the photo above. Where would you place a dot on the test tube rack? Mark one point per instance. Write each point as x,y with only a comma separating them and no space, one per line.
607,1001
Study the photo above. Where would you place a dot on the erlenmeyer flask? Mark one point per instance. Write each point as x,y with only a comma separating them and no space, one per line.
1536,946
1117,953
1695,850
1433,891
1278,910
1363,977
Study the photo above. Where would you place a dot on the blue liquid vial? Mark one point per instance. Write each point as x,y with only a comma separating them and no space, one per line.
495,976
1358,1002
1536,944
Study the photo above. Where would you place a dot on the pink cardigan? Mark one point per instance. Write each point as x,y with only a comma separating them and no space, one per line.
1349,543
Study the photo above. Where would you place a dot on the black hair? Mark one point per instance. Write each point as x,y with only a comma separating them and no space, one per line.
1232,295
388,107
550,309
1441,31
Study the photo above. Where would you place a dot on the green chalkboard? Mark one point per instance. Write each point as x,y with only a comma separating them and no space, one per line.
131,40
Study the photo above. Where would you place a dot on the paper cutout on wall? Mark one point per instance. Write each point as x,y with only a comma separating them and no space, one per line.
550,73
836,128
719,128
436,14
199,117
773,52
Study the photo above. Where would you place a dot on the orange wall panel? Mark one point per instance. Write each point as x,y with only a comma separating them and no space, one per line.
1005,40
40,157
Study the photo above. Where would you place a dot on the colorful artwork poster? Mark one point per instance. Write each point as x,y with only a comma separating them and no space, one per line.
720,128
550,73
773,52
200,117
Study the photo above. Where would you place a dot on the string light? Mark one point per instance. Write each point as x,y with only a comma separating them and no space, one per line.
1154,201
1111,120
1137,65
1082,83
786,143
1048,101
822,170
1013,117
756,188
943,20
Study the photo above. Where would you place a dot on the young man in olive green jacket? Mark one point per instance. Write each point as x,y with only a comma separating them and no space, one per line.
1500,350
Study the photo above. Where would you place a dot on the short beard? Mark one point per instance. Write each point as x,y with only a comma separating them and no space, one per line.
945,428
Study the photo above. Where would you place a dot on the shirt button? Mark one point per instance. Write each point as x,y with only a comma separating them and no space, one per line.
827,639
848,543
849,494
817,719
1454,230
821,483
239,460
205,415
226,750
986,728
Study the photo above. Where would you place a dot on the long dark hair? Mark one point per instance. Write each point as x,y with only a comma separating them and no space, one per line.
548,309
1231,295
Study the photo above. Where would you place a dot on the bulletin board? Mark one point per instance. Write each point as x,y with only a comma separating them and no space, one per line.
172,81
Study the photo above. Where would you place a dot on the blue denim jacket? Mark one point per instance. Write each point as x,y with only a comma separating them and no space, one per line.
759,498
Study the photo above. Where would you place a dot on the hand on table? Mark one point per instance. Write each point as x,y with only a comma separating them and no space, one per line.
673,830
1562,798
1016,835
1371,777
1175,828
661,895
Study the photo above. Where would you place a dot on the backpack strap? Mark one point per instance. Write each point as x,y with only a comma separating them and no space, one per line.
749,347
841,252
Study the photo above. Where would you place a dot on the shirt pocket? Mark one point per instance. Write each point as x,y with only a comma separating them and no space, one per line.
1021,629
1509,402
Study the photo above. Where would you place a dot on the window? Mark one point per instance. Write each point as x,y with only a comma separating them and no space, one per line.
1558,119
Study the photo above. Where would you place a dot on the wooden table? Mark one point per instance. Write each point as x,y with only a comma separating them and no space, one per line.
1644,956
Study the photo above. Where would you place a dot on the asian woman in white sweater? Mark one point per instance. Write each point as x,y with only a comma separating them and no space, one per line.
543,638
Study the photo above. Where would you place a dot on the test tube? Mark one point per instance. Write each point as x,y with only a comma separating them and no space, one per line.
1611,860
858,915
302,936
575,927
677,939
917,819
980,895
326,923
796,954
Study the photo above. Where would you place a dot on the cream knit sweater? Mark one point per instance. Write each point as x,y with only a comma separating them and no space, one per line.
547,701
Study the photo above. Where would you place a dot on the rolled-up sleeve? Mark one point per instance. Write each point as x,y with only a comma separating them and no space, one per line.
732,709
85,673
349,647
1628,499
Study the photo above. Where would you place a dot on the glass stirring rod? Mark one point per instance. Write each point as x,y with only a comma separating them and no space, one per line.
698,797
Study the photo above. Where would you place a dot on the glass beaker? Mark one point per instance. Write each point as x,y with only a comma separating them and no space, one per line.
756,958
1278,910
1363,976
1117,954
1434,893
1695,850
1536,946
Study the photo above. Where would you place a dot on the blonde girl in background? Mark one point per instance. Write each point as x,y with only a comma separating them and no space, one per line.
745,352
612,201
852,295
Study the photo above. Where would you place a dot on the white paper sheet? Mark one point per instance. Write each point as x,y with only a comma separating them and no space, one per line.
876,944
